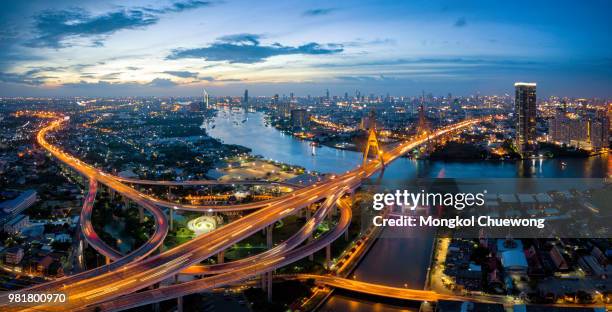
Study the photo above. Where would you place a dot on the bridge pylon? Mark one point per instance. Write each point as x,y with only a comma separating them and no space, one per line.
373,143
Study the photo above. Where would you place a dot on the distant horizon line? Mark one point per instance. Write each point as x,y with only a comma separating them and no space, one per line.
287,96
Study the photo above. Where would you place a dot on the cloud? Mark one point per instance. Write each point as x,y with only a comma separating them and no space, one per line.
161,83
133,68
54,28
20,79
110,76
188,5
180,6
244,38
181,74
461,22
128,87
451,61
33,76
318,12
156,83
229,80
247,49
372,78
43,69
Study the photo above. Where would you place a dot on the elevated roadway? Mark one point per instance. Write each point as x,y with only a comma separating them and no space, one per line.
206,182
244,272
145,272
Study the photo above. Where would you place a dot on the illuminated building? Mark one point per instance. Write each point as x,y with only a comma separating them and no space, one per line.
369,121
299,118
13,207
586,132
525,111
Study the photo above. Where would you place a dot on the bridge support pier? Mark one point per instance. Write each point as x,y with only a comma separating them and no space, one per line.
266,277
171,217
155,306
111,193
269,287
169,193
269,238
263,282
140,214
328,256
179,304
107,259
126,203
221,257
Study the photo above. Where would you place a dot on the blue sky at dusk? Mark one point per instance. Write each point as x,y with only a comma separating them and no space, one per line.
178,47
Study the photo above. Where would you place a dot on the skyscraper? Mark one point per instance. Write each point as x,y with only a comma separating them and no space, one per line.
525,111
300,118
205,99
245,101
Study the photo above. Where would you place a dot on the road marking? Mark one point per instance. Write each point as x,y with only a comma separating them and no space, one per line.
219,244
286,211
241,231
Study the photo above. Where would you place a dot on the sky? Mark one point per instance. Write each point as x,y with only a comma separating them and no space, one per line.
180,47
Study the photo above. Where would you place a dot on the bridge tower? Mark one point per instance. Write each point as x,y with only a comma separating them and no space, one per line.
423,123
422,128
373,143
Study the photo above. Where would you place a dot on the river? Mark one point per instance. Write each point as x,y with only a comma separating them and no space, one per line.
405,260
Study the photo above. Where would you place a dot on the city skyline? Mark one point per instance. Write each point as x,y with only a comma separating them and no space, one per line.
179,47
269,156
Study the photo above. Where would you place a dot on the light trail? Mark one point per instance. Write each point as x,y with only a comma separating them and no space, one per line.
205,245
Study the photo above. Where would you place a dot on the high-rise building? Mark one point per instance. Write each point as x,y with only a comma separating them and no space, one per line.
368,121
245,100
599,132
205,100
423,123
525,111
299,118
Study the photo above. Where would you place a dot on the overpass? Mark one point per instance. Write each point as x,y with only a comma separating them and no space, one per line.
112,281
206,182
273,261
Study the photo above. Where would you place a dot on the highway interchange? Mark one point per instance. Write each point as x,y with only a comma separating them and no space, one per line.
127,274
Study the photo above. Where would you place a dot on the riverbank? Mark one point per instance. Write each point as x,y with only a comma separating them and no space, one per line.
391,268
